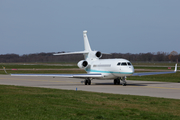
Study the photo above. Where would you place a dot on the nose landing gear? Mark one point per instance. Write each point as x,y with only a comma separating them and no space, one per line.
124,81
117,81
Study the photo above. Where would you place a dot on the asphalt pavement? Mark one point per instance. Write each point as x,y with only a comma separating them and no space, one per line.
141,88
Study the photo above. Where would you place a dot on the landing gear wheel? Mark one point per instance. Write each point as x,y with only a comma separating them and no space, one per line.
118,82
115,81
124,81
85,82
89,82
124,84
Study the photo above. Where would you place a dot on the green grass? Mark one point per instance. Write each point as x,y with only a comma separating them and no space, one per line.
25,103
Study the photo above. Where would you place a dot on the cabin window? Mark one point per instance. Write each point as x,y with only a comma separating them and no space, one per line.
119,63
102,65
129,63
123,64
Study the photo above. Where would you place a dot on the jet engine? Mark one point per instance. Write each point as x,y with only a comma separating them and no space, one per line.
98,54
82,64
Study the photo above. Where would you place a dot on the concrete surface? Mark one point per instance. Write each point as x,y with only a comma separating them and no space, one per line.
142,88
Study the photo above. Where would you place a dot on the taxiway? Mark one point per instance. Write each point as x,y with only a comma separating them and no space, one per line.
142,88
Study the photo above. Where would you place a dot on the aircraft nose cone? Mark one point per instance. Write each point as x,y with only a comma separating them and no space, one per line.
132,69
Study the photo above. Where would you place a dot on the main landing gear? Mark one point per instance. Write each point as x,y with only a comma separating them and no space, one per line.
87,81
117,81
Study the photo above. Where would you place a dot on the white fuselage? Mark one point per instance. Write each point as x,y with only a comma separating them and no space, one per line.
111,68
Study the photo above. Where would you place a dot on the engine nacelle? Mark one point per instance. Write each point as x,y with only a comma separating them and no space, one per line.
95,54
98,54
82,64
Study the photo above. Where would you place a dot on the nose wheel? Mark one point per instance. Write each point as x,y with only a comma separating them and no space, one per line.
123,81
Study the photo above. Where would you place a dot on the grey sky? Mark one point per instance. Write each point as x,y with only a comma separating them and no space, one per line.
134,26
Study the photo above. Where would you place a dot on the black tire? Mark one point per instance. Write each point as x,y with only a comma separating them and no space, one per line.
85,82
118,82
89,82
115,81
124,84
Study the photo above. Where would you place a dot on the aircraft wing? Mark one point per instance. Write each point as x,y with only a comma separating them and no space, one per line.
63,75
155,73
152,73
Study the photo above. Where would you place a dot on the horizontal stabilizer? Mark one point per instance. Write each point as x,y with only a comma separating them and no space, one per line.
80,52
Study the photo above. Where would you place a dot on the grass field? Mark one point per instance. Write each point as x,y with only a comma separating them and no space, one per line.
25,103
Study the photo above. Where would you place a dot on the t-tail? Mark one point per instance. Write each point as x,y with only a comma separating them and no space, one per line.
89,55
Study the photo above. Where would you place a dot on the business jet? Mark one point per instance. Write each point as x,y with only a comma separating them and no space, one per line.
96,68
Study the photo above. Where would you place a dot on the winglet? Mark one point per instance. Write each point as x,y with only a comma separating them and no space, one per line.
4,69
175,68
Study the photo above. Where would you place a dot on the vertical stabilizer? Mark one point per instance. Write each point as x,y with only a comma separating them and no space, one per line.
86,42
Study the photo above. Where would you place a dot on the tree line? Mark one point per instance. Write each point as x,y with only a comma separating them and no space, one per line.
49,57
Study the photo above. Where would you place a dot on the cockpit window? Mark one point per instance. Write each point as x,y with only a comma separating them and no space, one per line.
119,63
129,63
123,63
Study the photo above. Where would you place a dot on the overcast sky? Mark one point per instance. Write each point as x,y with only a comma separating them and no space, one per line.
122,26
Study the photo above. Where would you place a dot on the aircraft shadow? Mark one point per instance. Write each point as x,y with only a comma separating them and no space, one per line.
131,84
60,85
120,84
103,83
